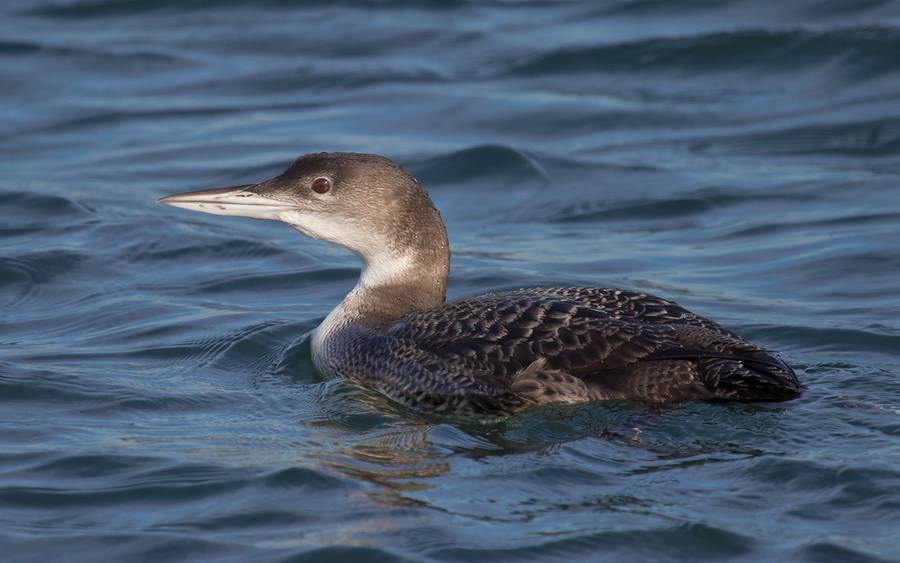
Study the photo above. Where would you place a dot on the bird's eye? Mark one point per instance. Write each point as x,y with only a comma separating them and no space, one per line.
321,185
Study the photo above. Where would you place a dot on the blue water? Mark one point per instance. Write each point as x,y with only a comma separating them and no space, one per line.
157,400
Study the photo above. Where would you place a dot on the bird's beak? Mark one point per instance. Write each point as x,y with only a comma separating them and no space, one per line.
241,201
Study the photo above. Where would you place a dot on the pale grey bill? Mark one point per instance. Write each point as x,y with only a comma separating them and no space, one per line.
238,201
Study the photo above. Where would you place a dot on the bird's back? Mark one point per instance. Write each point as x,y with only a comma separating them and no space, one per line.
582,343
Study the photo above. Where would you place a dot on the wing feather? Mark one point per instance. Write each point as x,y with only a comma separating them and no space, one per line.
616,342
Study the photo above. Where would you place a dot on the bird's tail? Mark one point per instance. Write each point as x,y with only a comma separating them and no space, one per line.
751,376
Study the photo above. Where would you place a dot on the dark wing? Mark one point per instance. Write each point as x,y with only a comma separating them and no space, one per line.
628,305
628,344
504,333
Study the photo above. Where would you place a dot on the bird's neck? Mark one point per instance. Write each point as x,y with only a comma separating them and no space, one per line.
395,282
405,266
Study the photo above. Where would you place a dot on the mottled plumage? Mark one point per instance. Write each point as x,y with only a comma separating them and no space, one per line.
494,353
505,351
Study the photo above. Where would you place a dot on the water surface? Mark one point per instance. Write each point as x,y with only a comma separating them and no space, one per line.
157,400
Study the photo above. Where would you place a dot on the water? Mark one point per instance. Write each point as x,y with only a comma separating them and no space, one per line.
157,400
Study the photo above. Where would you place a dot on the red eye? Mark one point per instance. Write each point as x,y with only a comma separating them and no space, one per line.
321,185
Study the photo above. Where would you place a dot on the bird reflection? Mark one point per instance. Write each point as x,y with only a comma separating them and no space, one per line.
397,462
376,441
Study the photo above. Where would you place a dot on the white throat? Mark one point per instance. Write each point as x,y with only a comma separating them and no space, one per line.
379,271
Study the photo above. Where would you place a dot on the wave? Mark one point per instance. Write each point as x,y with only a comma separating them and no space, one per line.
851,219
688,541
227,249
149,60
15,204
315,78
864,52
866,138
697,203
481,162
92,9
25,278
274,281
803,8
807,338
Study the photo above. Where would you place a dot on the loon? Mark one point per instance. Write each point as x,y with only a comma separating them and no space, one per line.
496,353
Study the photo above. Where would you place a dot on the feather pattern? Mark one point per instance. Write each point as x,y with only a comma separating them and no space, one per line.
501,352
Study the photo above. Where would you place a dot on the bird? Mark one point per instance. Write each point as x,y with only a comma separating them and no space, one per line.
495,353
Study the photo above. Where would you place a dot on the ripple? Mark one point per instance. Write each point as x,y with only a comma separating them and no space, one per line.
810,338
247,521
317,78
862,53
117,8
29,213
24,203
695,541
71,54
21,384
828,552
198,353
671,207
183,483
865,492
849,219
98,466
301,477
126,545
276,281
25,278
127,403
228,249
648,7
105,118
815,476
875,138
18,48
500,164
348,553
